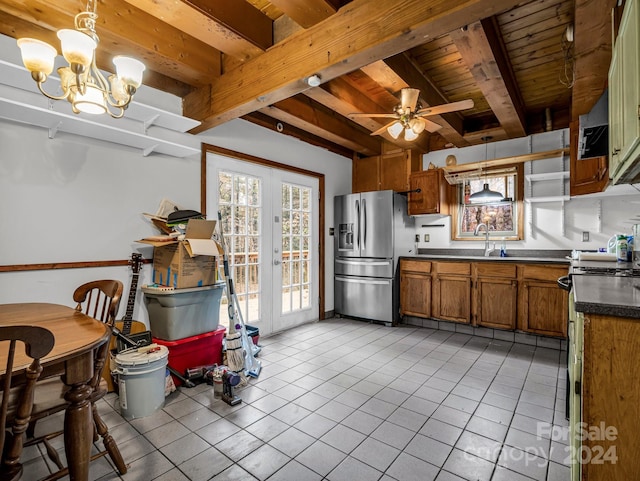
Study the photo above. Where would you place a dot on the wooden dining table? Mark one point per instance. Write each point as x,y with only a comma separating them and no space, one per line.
76,338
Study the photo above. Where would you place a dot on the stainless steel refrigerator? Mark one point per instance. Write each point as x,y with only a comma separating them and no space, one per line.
372,230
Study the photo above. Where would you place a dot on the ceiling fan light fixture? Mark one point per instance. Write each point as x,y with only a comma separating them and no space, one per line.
410,134
417,125
395,129
81,82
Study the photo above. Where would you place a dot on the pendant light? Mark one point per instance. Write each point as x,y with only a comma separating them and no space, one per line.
486,195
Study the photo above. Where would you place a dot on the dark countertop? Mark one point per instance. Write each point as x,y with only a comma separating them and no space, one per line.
477,255
607,295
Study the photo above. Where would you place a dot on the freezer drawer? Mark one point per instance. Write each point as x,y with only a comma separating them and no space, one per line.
364,267
368,298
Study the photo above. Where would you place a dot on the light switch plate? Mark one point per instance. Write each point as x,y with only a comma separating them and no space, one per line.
426,237
585,237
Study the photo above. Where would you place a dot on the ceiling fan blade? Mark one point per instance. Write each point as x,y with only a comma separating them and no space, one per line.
387,116
443,109
382,129
409,99
431,126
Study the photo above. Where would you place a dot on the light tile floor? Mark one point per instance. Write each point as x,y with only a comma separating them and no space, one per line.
344,400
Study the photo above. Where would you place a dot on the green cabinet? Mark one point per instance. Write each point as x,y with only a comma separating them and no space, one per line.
624,99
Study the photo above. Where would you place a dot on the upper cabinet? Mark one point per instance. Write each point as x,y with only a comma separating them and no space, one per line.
624,99
387,171
435,193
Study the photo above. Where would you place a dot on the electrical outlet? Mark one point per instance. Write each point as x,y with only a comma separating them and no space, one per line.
417,237
426,237
585,237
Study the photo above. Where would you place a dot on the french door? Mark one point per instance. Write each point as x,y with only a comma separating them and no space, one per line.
270,223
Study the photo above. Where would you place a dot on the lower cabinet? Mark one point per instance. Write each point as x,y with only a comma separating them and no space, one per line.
543,307
495,295
415,288
492,294
452,291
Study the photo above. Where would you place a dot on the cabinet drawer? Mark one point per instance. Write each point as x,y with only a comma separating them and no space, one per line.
462,268
543,273
491,269
415,266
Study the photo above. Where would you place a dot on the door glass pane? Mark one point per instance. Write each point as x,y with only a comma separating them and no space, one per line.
296,239
240,205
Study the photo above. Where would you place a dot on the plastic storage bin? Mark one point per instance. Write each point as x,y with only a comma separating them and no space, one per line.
253,333
201,350
180,313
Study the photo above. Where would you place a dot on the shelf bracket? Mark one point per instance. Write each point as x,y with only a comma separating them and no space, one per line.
599,216
562,219
150,122
53,131
146,152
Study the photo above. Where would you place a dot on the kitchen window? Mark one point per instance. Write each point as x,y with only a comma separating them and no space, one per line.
504,217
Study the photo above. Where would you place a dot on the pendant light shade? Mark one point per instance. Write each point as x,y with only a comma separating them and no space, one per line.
485,195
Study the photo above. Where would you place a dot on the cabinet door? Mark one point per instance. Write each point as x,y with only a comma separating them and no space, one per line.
496,301
453,298
415,294
432,198
630,96
544,308
615,114
366,174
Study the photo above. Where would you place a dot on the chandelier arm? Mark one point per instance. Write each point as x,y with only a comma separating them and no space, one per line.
119,114
46,94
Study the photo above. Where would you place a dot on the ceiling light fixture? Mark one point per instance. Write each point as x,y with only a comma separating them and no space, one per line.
408,123
314,80
486,194
82,84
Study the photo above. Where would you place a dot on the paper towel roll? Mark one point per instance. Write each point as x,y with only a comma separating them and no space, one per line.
596,256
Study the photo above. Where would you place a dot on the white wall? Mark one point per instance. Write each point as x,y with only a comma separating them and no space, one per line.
73,199
601,215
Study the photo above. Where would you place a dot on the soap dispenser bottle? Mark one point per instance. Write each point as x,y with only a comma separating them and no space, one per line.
503,248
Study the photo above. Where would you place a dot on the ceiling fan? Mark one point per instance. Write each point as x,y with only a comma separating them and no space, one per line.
409,116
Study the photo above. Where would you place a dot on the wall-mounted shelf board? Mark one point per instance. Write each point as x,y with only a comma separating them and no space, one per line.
547,176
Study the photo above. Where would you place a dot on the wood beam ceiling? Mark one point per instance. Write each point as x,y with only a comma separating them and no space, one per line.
306,13
348,40
482,50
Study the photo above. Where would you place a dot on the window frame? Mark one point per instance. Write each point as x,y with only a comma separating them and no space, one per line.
518,203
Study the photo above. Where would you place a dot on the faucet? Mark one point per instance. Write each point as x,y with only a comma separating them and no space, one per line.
487,249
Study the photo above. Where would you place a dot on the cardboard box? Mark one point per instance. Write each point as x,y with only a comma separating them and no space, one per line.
190,262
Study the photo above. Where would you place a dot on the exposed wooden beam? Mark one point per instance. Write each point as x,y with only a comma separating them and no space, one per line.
284,128
203,24
482,49
304,113
306,13
452,126
592,53
348,40
120,24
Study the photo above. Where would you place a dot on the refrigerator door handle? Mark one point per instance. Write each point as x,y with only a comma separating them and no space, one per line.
364,215
363,263
358,223
384,282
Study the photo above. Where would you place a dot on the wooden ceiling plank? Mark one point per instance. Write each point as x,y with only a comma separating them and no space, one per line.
306,13
206,29
482,50
592,53
240,17
348,40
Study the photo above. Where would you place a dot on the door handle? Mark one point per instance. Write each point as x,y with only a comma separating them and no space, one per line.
276,262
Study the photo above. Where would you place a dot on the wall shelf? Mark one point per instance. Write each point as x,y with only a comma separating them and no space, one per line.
547,176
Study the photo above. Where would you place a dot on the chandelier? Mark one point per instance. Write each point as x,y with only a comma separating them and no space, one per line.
82,84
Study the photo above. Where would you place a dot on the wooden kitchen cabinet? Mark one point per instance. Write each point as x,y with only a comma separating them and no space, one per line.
542,305
452,291
495,295
610,398
415,288
387,171
435,194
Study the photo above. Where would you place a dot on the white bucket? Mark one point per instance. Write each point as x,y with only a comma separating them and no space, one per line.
141,380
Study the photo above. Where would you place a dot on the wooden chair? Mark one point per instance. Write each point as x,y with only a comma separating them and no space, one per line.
100,300
17,402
